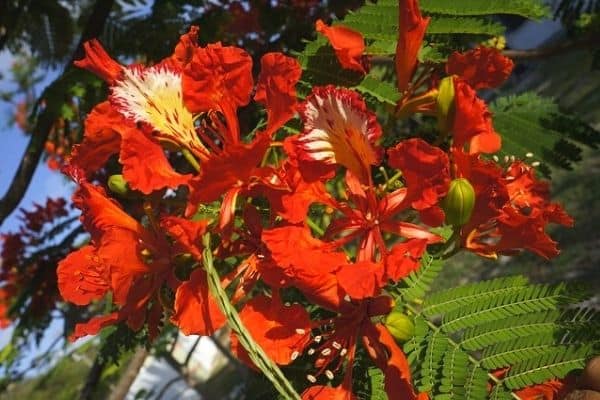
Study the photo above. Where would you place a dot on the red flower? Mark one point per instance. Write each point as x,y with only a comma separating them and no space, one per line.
348,44
511,209
370,217
276,88
481,68
184,50
339,129
281,331
426,172
472,125
335,346
218,78
411,30
151,96
99,62
196,312
309,264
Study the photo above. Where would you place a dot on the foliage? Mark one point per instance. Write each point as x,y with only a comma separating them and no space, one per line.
484,340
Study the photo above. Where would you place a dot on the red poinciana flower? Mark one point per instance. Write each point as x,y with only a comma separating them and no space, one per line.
348,44
339,130
472,126
335,350
481,68
411,30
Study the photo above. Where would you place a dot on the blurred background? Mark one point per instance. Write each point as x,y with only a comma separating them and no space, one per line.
43,103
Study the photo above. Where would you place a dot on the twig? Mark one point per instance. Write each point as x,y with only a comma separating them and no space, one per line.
45,120
255,352
551,50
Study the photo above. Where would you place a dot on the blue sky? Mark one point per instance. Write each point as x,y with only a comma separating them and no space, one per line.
45,183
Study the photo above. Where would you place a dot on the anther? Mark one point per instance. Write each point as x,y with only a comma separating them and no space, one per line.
336,345
495,158
343,352
300,331
318,339
535,164
529,155
295,355
311,378
329,374
326,351
311,352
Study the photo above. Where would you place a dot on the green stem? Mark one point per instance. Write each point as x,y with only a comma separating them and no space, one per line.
191,159
255,352
315,227
391,181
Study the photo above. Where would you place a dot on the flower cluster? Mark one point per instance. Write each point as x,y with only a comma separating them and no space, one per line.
313,230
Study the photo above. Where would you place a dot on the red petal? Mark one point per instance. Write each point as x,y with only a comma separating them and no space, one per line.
404,258
280,331
328,393
217,78
348,44
82,277
276,88
473,122
98,61
100,140
362,279
94,325
339,129
425,169
481,68
184,50
392,360
186,233
412,27
196,312
234,166
145,166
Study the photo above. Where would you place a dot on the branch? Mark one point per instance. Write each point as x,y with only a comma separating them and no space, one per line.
44,122
551,50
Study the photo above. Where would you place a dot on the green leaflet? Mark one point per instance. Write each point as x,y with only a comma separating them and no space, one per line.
529,123
463,334
555,364
418,282
532,9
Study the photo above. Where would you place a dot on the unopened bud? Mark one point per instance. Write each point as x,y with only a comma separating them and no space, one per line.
400,326
459,202
445,104
118,185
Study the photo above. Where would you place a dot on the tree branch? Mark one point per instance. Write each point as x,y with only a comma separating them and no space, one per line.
47,116
551,50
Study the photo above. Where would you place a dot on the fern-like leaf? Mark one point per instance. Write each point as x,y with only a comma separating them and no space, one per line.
556,364
452,299
418,283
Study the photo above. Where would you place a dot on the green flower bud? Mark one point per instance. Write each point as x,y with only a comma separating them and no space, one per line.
445,104
459,202
118,185
400,326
